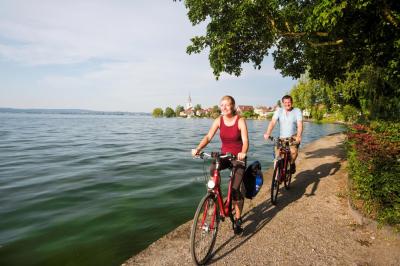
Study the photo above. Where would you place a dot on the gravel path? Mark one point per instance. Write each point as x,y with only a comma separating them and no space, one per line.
311,224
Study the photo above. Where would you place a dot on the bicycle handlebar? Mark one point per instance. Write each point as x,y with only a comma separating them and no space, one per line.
203,155
217,155
277,140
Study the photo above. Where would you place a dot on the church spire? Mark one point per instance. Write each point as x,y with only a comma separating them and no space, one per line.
189,102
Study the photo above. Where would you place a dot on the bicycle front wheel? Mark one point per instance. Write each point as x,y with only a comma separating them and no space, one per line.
275,183
204,229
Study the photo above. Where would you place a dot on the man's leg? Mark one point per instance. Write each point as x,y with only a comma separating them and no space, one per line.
294,151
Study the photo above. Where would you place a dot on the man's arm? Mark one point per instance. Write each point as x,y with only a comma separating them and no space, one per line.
299,119
299,130
271,126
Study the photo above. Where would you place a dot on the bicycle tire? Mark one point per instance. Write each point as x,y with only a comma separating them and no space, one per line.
275,183
288,177
202,229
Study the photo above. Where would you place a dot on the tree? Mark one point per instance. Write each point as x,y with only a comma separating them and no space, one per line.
358,89
215,111
196,108
158,112
328,38
179,109
249,114
169,112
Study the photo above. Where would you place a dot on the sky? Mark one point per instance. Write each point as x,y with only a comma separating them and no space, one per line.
120,55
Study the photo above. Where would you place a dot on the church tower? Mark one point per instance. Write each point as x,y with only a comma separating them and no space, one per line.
189,103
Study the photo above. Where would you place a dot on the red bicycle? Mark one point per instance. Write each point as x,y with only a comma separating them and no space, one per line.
282,171
211,210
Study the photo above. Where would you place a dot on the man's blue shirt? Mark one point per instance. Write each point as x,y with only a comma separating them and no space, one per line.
287,121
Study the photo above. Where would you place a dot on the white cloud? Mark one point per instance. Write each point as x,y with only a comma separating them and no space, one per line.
64,32
112,55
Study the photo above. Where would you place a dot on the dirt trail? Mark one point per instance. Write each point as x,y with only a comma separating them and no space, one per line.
311,224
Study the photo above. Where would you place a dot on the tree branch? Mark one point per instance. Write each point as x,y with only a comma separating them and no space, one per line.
337,42
388,15
291,34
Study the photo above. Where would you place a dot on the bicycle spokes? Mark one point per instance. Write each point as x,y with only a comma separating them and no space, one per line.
204,230
275,183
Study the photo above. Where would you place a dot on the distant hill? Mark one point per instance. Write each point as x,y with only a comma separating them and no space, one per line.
67,111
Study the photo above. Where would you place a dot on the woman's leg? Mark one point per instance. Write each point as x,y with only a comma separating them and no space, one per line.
237,196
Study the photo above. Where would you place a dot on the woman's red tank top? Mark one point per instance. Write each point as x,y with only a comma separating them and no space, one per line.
230,137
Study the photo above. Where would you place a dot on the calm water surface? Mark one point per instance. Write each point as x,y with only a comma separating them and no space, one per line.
96,189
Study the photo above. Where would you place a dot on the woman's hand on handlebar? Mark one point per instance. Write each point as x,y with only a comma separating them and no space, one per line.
241,156
195,152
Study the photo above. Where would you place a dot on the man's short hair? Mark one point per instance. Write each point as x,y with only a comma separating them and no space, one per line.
287,97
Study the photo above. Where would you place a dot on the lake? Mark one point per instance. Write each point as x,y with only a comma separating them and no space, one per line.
96,189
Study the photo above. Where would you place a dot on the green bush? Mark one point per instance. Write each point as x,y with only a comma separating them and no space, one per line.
249,114
158,112
374,169
169,112
317,114
350,113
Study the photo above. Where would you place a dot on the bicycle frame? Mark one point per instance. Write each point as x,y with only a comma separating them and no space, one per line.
224,210
284,157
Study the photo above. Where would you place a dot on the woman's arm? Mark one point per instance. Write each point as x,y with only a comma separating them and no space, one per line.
207,138
245,139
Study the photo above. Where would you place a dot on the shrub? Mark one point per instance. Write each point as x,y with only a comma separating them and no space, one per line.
169,112
374,169
158,112
350,113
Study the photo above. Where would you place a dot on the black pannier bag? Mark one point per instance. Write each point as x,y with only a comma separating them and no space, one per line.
253,179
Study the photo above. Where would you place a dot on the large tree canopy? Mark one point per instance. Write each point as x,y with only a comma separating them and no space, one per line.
327,38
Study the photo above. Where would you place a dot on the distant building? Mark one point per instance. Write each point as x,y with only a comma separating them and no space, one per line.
189,112
244,108
263,111
189,103
200,112
306,113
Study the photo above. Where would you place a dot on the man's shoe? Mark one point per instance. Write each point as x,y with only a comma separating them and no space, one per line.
293,168
238,227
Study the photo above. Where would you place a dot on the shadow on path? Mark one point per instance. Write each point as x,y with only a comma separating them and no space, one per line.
260,215
325,152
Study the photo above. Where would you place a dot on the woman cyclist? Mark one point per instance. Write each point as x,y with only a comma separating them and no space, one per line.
234,138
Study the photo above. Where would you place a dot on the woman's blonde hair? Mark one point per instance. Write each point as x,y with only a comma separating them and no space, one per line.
231,100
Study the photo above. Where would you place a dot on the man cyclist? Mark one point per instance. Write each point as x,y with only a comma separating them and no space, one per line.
290,125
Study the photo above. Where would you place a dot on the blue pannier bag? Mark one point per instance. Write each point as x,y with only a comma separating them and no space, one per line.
253,179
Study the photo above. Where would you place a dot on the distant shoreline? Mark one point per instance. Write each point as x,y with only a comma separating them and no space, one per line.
67,111
310,120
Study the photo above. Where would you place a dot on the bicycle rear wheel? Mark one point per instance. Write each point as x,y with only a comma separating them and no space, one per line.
204,229
288,177
275,183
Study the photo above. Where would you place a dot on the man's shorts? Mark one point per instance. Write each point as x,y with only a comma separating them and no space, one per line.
294,150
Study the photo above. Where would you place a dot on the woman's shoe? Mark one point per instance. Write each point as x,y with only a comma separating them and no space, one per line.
238,226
